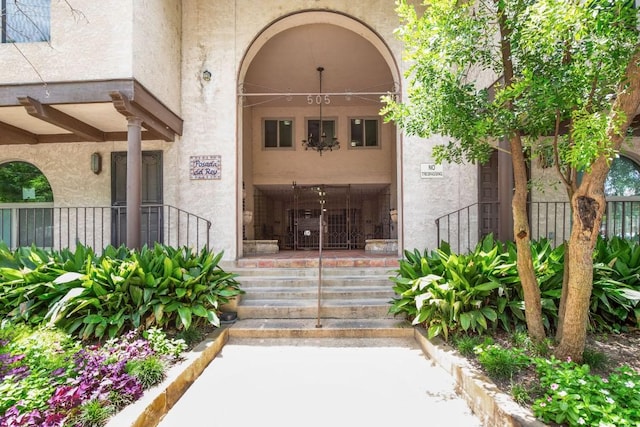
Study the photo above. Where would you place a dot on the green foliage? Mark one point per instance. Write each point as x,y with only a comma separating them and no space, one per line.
14,176
573,396
161,344
595,359
149,371
481,290
616,285
101,296
466,344
520,394
94,413
476,291
500,362
42,351
190,336
566,58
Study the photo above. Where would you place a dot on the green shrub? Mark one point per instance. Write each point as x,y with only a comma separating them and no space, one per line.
448,292
163,345
520,394
500,362
96,297
94,413
149,371
465,344
572,396
595,359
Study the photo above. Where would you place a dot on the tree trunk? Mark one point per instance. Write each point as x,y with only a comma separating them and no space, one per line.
522,235
521,230
588,206
563,295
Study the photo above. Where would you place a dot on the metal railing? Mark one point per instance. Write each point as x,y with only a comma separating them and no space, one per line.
465,227
97,227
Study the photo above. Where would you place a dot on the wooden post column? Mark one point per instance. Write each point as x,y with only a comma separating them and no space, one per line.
134,182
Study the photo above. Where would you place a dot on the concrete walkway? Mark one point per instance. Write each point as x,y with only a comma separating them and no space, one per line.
321,382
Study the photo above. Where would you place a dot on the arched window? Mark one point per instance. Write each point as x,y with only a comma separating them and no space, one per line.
622,190
623,179
26,199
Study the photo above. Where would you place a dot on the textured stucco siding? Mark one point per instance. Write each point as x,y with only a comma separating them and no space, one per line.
157,48
90,42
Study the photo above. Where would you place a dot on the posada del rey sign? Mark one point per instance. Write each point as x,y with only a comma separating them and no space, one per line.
205,167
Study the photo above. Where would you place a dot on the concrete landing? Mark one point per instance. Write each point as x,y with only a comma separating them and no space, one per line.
319,382
349,372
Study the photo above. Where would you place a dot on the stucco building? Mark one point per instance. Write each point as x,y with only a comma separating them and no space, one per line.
220,106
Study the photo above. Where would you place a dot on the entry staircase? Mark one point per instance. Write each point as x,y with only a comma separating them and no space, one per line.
281,299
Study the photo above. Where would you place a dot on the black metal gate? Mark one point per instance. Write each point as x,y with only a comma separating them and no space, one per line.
352,214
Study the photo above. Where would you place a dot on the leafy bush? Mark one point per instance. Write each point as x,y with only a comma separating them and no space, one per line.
481,290
616,285
466,344
101,296
500,362
149,371
575,397
94,413
49,379
161,344
448,292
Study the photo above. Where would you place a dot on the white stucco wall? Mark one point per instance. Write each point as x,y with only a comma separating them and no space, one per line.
91,42
101,40
157,38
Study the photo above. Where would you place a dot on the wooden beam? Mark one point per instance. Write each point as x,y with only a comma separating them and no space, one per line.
56,117
127,108
145,100
70,92
13,135
108,136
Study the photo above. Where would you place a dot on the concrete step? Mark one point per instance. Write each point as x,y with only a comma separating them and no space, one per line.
282,281
308,309
314,272
311,292
350,292
328,328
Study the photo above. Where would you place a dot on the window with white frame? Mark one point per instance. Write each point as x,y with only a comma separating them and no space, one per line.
26,21
278,133
364,132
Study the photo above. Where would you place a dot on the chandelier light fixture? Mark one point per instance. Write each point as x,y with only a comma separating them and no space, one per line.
320,142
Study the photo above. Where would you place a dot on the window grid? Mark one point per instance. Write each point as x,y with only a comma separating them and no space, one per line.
364,132
25,21
278,133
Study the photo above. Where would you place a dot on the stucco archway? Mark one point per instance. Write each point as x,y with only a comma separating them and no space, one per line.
278,89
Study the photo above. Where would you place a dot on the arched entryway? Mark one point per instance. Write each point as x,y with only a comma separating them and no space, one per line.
304,70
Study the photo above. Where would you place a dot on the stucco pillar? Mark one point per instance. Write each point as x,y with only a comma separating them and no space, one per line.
134,181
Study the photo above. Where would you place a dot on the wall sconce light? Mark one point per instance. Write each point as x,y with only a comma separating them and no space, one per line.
206,75
96,163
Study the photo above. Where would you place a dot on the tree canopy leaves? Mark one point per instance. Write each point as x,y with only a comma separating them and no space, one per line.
568,58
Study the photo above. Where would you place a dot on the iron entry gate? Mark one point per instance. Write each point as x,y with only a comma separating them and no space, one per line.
292,216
